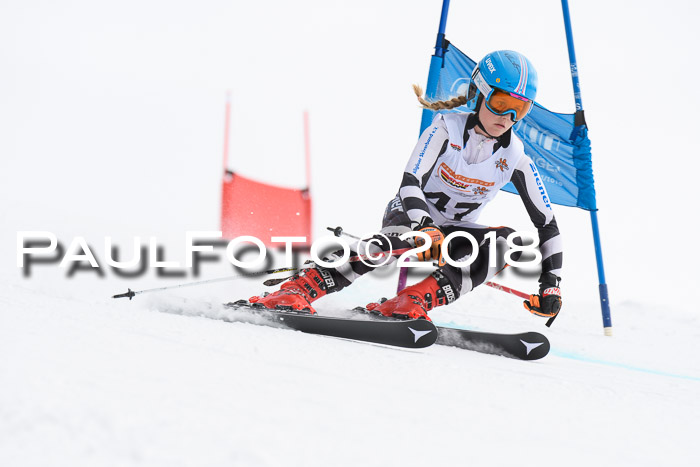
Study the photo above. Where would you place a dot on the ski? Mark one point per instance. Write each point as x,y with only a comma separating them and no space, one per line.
379,329
413,334
524,346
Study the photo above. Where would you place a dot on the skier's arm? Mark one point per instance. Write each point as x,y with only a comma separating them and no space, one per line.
531,189
432,143
529,184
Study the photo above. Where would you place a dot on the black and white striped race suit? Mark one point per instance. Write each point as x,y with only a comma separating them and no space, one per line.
452,174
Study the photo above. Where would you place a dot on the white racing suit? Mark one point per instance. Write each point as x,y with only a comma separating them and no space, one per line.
451,176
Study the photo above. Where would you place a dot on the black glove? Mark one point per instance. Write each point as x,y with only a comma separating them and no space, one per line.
548,302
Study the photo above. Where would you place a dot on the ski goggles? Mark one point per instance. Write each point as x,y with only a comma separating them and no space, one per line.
502,102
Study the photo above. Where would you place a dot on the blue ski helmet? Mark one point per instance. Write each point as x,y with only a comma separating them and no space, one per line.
506,70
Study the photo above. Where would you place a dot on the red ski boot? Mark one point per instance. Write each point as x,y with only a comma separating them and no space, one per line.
296,294
415,301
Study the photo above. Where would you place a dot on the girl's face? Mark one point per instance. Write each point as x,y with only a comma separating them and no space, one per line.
494,124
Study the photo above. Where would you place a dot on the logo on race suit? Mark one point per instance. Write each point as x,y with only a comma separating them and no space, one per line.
479,190
502,164
396,204
540,186
422,153
451,179
454,146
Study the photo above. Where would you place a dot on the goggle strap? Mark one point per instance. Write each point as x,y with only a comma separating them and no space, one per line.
482,84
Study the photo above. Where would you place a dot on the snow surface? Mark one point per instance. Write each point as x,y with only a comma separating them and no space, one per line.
90,381
112,118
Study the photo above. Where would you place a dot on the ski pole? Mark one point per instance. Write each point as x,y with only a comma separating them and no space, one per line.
352,259
131,293
517,293
520,294
509,290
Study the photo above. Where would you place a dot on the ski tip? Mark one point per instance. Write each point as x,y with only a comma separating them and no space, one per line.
522,346
425,333
536,346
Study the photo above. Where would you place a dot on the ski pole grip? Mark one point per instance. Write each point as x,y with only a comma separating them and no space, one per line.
129,294
551,320
338,231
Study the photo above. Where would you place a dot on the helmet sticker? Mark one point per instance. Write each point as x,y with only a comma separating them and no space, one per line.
481,84
489,65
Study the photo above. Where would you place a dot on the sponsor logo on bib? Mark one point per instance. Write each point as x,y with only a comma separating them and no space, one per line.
454,180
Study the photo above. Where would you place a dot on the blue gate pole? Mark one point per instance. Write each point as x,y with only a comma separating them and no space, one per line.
603,287
436,62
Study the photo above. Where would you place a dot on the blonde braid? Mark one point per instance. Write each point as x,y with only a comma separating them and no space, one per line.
438,105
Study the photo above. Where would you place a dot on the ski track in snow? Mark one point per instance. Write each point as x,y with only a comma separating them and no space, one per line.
87,380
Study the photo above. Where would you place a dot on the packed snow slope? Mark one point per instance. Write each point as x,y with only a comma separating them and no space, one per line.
88,380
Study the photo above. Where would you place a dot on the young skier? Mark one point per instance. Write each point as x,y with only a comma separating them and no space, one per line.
458,165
